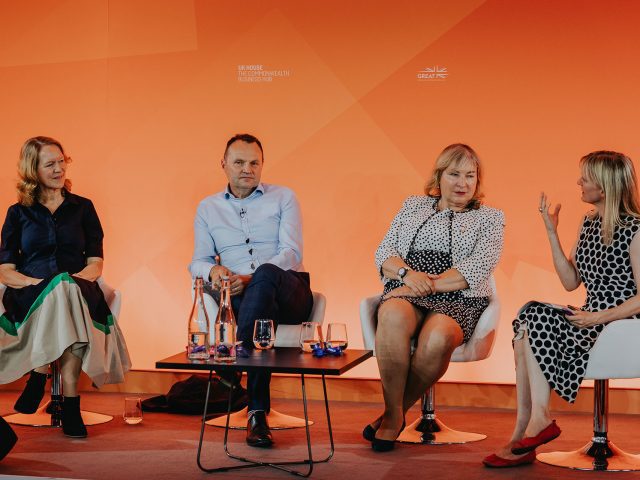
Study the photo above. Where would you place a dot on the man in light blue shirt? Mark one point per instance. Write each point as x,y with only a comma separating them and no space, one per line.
252,233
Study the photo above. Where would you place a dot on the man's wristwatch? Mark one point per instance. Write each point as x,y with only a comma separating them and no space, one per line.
402,271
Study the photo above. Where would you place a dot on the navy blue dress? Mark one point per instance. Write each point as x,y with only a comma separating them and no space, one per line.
43,244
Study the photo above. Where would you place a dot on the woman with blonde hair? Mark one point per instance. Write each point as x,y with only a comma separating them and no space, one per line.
551,343
50,259
435,262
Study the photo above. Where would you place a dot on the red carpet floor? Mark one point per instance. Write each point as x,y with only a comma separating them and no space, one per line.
163,446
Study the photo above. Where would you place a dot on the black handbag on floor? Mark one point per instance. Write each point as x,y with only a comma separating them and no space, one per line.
187,396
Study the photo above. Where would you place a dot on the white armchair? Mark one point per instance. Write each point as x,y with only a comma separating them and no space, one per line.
427,428
614,355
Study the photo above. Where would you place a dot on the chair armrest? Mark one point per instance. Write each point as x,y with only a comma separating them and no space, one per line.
480,345
368,321
615,353
319,307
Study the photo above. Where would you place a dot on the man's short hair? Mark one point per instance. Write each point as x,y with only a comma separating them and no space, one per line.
243,137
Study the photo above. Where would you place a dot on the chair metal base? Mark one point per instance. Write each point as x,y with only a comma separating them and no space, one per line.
433,432
43,419
599,454
277,421
594,457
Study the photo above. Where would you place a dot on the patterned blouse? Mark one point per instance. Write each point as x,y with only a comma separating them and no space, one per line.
476,241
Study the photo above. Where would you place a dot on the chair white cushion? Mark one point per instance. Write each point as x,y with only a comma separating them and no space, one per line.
287,335
479,345
616,353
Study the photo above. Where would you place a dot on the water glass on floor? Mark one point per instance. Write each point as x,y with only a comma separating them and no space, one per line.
132,410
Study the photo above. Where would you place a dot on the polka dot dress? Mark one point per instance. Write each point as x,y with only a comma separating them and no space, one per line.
562,350
430,252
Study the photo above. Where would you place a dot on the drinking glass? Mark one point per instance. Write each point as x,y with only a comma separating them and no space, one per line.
310,336
132,410
337,336
264,336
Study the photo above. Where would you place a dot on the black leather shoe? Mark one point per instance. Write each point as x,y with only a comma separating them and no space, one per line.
258,433
32,394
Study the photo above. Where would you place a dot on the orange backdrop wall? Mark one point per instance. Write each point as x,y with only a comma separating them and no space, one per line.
352,99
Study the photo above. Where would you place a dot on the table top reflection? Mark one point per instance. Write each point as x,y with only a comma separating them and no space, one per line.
278,360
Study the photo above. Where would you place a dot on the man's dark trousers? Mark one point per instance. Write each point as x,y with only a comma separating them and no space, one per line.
281,295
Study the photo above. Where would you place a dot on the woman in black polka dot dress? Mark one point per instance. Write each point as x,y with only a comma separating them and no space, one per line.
435,262
551,346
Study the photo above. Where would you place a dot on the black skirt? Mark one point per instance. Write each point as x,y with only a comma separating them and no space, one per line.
466,311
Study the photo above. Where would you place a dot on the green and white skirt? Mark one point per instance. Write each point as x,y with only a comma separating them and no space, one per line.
41,321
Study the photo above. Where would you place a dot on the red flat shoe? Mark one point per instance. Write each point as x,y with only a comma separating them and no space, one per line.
528,444
494,461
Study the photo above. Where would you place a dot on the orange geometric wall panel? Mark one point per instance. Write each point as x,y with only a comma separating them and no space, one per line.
353,100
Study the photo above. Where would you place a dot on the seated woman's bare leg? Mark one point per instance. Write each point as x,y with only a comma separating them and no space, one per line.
439,336
72,423
523,397
540,390
70,372
533,392
398,321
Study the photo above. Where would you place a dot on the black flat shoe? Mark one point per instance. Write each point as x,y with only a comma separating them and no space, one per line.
369,432
31,396
258,433
379,445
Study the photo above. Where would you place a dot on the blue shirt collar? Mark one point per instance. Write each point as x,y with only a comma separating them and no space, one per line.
228,194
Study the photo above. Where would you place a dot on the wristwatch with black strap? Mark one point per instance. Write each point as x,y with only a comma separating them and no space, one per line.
402,272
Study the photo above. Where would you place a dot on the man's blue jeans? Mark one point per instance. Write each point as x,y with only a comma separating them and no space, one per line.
283,296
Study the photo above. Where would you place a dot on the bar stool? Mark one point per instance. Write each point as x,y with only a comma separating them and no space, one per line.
287,336
427,428
614,355
50,415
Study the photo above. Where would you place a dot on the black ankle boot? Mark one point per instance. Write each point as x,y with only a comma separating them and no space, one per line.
72,424
32,394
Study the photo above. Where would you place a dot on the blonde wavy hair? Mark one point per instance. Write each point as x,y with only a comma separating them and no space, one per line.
29,186
454,155
614,174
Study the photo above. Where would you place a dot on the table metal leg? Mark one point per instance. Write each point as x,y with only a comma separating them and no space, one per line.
250,463
204,418
326,407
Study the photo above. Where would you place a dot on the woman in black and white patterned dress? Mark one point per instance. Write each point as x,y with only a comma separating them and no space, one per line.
435,262
551,347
